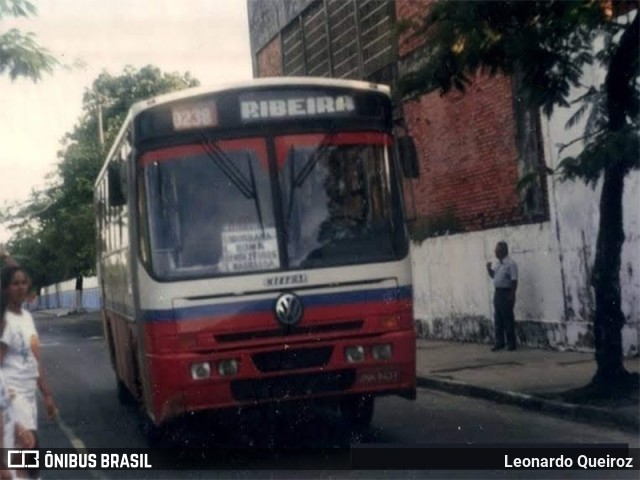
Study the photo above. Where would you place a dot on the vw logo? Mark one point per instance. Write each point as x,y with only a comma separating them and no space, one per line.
288,309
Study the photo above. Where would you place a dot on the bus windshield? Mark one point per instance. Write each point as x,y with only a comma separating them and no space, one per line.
209,208
210,212
338,202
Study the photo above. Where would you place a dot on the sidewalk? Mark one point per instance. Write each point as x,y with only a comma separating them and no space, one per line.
62,312
528,377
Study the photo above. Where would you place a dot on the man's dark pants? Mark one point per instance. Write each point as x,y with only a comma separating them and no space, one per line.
504,319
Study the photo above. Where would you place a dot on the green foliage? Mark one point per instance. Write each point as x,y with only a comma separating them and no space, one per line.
20,54
530,178
549,43
593,103
16,8
608,148
54,233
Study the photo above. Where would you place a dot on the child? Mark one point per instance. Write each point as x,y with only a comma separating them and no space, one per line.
7,426
20,350
12,433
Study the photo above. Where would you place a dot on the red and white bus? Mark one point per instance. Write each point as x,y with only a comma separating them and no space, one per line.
252,248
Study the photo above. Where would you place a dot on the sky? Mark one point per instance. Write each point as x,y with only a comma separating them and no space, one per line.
208,38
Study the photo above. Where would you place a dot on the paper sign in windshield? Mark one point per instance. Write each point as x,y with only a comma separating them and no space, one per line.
249,249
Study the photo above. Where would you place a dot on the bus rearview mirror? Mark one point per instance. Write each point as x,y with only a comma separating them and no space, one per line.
408,156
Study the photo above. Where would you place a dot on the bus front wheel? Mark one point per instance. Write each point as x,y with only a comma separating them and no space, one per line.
357,411
156,434
124,395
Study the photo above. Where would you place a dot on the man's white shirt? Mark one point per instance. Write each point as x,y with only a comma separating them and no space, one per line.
504,273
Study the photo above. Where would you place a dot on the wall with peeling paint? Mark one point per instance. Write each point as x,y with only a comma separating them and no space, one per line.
576,208
453,294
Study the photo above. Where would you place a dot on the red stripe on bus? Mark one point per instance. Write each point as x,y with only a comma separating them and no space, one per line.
257,145
285,143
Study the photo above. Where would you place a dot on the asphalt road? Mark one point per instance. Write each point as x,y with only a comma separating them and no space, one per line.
83,384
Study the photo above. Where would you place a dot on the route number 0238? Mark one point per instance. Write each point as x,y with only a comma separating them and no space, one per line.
194,116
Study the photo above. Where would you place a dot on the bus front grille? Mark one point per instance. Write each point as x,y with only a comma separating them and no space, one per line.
297,330
292,359
297,385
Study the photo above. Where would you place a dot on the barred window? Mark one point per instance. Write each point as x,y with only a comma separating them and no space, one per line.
340,38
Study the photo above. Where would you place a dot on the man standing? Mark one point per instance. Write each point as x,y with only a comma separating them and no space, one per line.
505,281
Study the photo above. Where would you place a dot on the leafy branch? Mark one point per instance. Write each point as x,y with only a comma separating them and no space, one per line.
20,54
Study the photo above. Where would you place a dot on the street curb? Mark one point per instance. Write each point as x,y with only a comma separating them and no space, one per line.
65,314
53,313
533,402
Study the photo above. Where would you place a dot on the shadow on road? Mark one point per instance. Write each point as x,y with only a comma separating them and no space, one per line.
296,434
289,425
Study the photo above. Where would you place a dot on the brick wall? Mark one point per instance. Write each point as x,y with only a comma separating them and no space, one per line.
466,145
270,59
412,11
468,156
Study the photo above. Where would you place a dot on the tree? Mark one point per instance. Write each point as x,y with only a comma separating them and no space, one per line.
55,231
548,44
20,54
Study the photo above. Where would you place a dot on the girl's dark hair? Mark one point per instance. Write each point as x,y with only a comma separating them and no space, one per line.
6,278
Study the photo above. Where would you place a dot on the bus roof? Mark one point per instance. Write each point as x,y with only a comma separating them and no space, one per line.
258,83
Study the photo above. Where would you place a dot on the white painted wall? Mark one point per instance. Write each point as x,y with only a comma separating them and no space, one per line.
451,282
63,295
555,258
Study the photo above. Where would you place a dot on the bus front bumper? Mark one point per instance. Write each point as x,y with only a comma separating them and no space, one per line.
332,368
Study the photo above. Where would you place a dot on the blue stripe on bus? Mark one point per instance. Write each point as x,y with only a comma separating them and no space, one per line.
259,306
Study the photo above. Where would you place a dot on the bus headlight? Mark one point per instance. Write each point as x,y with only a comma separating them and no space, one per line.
228,367
382,352
354,354
200,370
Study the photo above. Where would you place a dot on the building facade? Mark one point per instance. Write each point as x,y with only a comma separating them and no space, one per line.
473,150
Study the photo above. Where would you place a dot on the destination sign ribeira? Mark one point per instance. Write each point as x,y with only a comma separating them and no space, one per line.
303,106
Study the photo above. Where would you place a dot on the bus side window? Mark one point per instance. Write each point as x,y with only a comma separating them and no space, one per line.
116,195
143,226
157,187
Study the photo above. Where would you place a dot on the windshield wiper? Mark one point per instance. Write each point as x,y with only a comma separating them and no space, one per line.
306,170
256,201
224,163
315,158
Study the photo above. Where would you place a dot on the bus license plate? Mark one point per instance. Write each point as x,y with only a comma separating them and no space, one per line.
381,375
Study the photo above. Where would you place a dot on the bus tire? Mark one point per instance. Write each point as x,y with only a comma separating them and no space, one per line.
155,434
357,411
124,395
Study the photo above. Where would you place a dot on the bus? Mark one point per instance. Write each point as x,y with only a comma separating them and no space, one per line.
252,249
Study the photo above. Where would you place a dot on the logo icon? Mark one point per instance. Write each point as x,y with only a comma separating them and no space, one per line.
23,459
288,309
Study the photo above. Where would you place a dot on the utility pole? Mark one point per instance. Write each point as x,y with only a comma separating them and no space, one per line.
100,127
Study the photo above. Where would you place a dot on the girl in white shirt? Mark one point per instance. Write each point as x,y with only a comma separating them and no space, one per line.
20,349
12,434
6,427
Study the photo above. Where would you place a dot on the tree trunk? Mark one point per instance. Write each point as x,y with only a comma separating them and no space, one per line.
609,319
